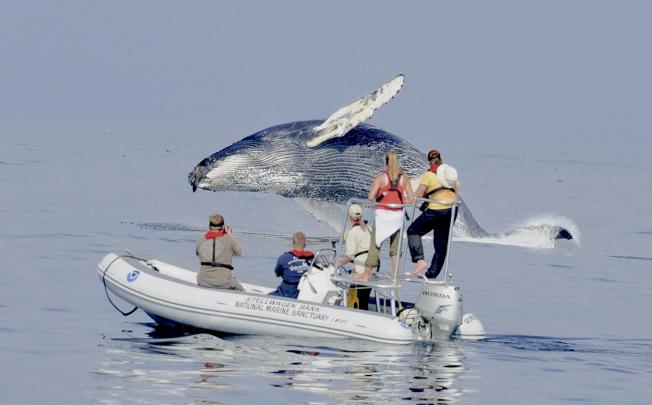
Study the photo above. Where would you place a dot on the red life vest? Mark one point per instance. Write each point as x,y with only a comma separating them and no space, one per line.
391,193
433,168
302,254
214,234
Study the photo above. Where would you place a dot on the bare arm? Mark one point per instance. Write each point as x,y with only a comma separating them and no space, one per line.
373,192
364,277
407,186
421,191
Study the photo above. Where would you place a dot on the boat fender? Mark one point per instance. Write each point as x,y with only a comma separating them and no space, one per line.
408,315
471,328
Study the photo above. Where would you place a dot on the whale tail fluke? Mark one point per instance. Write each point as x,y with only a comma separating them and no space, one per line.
349,116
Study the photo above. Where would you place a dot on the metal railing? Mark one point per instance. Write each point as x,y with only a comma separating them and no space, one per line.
409,214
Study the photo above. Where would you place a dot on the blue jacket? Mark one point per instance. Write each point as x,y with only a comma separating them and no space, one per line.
291,266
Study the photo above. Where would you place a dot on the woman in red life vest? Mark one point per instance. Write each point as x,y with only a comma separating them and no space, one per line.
215,250
391,186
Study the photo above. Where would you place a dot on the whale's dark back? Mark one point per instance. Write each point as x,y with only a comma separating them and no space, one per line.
334,171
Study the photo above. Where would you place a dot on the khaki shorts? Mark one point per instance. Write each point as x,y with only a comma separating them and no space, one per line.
373,257
218,277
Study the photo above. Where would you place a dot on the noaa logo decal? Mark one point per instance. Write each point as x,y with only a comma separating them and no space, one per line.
404,324
132,276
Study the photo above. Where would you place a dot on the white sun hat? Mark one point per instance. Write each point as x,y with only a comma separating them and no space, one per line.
447,175
355,211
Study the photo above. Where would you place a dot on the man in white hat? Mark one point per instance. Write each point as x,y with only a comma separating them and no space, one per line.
440,182
358,240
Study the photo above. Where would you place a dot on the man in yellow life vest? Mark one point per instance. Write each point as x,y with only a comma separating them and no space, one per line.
440,182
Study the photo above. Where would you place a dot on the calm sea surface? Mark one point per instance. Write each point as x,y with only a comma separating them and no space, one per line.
565,325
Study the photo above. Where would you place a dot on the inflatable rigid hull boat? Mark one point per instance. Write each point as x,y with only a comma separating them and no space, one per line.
170,295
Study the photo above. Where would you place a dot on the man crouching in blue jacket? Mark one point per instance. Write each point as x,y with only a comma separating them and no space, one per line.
291,266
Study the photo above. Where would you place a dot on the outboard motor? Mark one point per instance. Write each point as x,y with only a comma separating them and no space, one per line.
439,305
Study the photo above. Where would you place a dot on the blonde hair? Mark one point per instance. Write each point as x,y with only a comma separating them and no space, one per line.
393,167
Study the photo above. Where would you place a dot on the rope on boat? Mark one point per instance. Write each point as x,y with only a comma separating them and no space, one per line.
106,291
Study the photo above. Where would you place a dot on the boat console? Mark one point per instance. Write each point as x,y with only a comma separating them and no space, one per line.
438,309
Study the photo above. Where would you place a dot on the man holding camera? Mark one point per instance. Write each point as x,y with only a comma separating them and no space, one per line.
215,250
440,183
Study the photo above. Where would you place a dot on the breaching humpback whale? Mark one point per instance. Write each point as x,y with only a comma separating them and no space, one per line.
329,160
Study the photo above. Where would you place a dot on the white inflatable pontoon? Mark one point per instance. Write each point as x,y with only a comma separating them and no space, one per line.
170,296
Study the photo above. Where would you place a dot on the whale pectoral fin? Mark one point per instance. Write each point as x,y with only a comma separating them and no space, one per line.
349,116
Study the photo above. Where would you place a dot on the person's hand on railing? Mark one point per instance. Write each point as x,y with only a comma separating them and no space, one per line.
364,277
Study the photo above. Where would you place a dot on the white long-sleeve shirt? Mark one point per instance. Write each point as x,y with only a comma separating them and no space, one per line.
358,240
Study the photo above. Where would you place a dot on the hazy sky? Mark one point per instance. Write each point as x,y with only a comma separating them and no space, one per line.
531,71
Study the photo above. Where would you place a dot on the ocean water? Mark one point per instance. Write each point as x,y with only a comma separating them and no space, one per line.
566,324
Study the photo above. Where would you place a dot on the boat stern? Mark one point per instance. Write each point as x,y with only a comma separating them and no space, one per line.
440,306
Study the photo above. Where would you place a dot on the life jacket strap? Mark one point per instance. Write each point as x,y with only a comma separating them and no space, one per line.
393,186
438,189
360,253
431,192
426,204
214,264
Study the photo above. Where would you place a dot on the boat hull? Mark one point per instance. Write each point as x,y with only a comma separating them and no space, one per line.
163,296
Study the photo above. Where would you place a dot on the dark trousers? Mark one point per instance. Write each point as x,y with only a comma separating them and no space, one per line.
363,296
437,221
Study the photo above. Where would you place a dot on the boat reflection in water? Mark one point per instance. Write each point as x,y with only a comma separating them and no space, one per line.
204,368
423,373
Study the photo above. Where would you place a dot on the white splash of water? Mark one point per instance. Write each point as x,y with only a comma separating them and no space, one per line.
537,232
